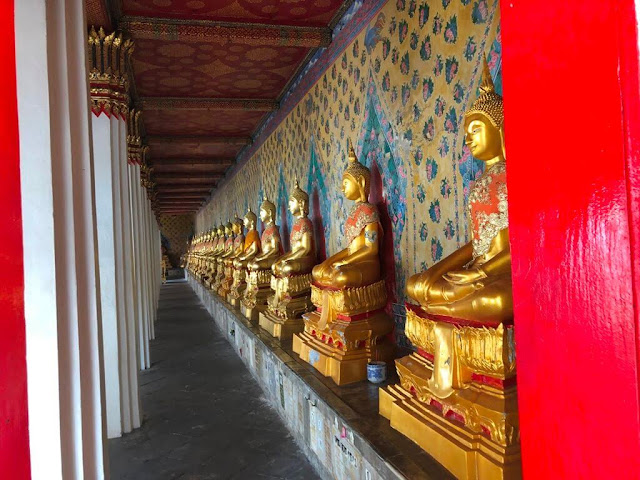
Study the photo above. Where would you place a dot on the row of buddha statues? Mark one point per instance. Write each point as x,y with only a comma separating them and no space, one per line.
456,395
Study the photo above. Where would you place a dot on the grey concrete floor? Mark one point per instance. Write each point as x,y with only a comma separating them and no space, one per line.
204,414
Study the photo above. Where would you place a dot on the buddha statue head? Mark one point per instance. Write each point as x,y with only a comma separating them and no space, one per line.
228,229
236,226
250,220
267,211
484,121
356,179
220,230
299,201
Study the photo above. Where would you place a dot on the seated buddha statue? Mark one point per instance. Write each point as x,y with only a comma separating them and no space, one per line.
251,249
359,263
259,269
474,282
347,329
217,247
462,328
211,245
236,250
225,248
291,280
301,258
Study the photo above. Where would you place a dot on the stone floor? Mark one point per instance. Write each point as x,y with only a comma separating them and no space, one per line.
204,415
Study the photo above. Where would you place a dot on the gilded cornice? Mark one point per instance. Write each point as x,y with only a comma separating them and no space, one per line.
108,77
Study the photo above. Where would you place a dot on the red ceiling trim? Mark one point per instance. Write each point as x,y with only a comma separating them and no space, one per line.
258,35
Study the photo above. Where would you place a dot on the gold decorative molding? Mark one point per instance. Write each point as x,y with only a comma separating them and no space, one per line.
189,103
483,350
253,34
352,301
134,137
109,56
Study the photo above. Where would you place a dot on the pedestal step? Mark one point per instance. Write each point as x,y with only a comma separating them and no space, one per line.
279,328
466,454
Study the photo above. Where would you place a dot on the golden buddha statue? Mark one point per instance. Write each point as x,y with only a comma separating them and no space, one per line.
347,329
291,279
359,263
250,251
217,245
258,276
463,329
225,248
208,257
236,250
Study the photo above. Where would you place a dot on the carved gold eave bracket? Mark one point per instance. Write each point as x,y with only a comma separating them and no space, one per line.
109,56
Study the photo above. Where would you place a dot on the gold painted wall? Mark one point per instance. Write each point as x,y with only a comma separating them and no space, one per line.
398,90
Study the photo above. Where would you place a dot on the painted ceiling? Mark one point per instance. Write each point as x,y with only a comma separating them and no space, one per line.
207,73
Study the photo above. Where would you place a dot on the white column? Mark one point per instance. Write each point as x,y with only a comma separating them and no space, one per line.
106,143
62,312
140,283
127,271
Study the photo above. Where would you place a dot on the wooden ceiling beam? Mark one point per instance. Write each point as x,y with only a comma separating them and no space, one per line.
259,35
197,140
208,104
218,161
182,188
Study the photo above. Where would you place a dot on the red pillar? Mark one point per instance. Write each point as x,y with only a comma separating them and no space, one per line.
572,137
14,433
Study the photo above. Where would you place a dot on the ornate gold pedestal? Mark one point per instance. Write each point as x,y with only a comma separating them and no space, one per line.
346,332
292,298
258,289
227,280
474,431
218,276
238,286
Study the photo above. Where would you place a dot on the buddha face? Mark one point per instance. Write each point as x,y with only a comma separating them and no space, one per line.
350,187
483,138
264,215
246,222
294,206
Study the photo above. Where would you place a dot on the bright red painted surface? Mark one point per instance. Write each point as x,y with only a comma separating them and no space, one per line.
14,435
570,80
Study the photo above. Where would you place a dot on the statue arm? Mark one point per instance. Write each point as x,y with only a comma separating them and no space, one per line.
371,246
249,252
304,250
502,261
271,252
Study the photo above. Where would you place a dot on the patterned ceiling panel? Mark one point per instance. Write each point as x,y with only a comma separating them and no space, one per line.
287,12
225,123
199,69
97,14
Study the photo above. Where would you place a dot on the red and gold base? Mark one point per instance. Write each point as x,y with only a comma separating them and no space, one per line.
352,334
291,299
258,290
457,397
238,286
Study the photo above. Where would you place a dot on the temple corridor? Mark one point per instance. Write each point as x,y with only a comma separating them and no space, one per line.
204,416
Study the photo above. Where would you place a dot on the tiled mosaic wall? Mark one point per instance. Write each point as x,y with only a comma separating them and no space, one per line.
176,231
398,89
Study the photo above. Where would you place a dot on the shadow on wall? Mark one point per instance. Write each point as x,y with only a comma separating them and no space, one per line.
318,227
284,227
376,196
